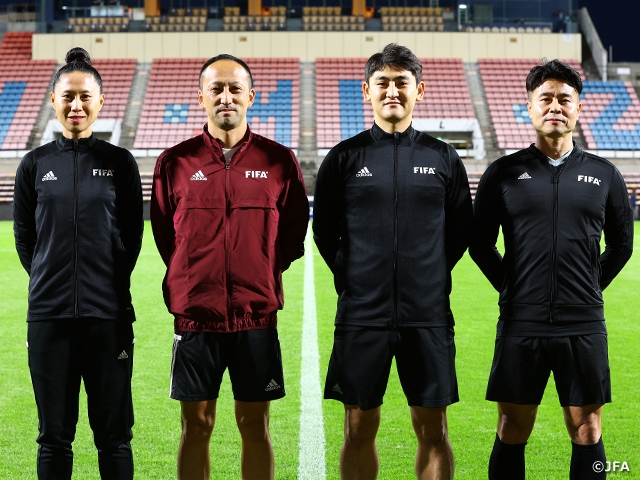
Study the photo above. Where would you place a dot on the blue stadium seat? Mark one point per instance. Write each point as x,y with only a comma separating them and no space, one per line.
610,117
9,100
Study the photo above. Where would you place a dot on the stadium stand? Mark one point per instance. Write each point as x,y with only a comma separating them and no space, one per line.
272,18
340,110
425,19
178,20
146,178
7,180
632,179
502,28
97,24
17,12
16,45
23,88
503,81
317,10
330,19
171,113
117,77
446,96
610,116
609,121
447,93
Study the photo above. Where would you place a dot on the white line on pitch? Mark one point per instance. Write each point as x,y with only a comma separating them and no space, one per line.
311,464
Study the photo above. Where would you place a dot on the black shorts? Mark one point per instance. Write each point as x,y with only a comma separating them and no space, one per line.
361,361
521,368
253,357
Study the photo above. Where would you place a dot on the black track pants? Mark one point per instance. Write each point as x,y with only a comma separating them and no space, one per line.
61,352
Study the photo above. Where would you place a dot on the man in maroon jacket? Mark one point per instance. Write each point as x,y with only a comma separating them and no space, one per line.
229,214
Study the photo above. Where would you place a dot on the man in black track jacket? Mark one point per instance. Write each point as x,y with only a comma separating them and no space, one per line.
553,202
392,216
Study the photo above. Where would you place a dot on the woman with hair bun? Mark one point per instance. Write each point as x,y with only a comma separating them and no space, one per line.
78,230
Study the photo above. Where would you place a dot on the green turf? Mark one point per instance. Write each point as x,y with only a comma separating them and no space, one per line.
472,421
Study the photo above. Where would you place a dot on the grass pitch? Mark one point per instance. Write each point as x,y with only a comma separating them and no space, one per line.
471,422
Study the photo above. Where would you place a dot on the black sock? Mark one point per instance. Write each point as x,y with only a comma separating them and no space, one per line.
506,461
588,462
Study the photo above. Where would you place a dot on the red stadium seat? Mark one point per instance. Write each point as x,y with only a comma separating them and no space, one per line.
446,95
16,66
503,81
165,90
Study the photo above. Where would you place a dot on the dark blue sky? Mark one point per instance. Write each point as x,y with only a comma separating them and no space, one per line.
617,25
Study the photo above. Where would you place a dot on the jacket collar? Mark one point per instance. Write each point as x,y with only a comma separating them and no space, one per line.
215,145
533,150
82,144
379,134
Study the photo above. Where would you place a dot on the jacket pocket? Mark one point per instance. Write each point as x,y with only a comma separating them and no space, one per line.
254,259
196,275
200,237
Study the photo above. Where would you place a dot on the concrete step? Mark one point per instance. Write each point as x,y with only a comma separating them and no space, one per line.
45,114
579,138
481,110
307,149
590,70
134,105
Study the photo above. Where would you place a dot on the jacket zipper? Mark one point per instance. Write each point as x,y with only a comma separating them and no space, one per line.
396,138
227,242
554,249
75,228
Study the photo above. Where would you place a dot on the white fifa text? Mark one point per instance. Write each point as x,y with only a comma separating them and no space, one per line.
585,178
255,174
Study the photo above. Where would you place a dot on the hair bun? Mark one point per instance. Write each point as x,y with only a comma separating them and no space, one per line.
78,54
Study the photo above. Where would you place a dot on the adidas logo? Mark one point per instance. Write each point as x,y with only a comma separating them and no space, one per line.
524,176
336,388
198,176
273,385
49,176
123,355
364,173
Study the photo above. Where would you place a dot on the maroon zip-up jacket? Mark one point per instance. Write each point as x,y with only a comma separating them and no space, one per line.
227,232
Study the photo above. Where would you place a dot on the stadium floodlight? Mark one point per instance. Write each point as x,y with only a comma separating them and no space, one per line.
462,8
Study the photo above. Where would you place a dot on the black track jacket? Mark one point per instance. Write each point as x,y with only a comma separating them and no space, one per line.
552,221
78,224
392,216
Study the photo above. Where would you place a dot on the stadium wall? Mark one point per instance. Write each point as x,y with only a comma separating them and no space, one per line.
307,46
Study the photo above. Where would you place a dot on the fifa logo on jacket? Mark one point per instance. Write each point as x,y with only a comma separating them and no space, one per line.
99,172
255,174
424,170
584,178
